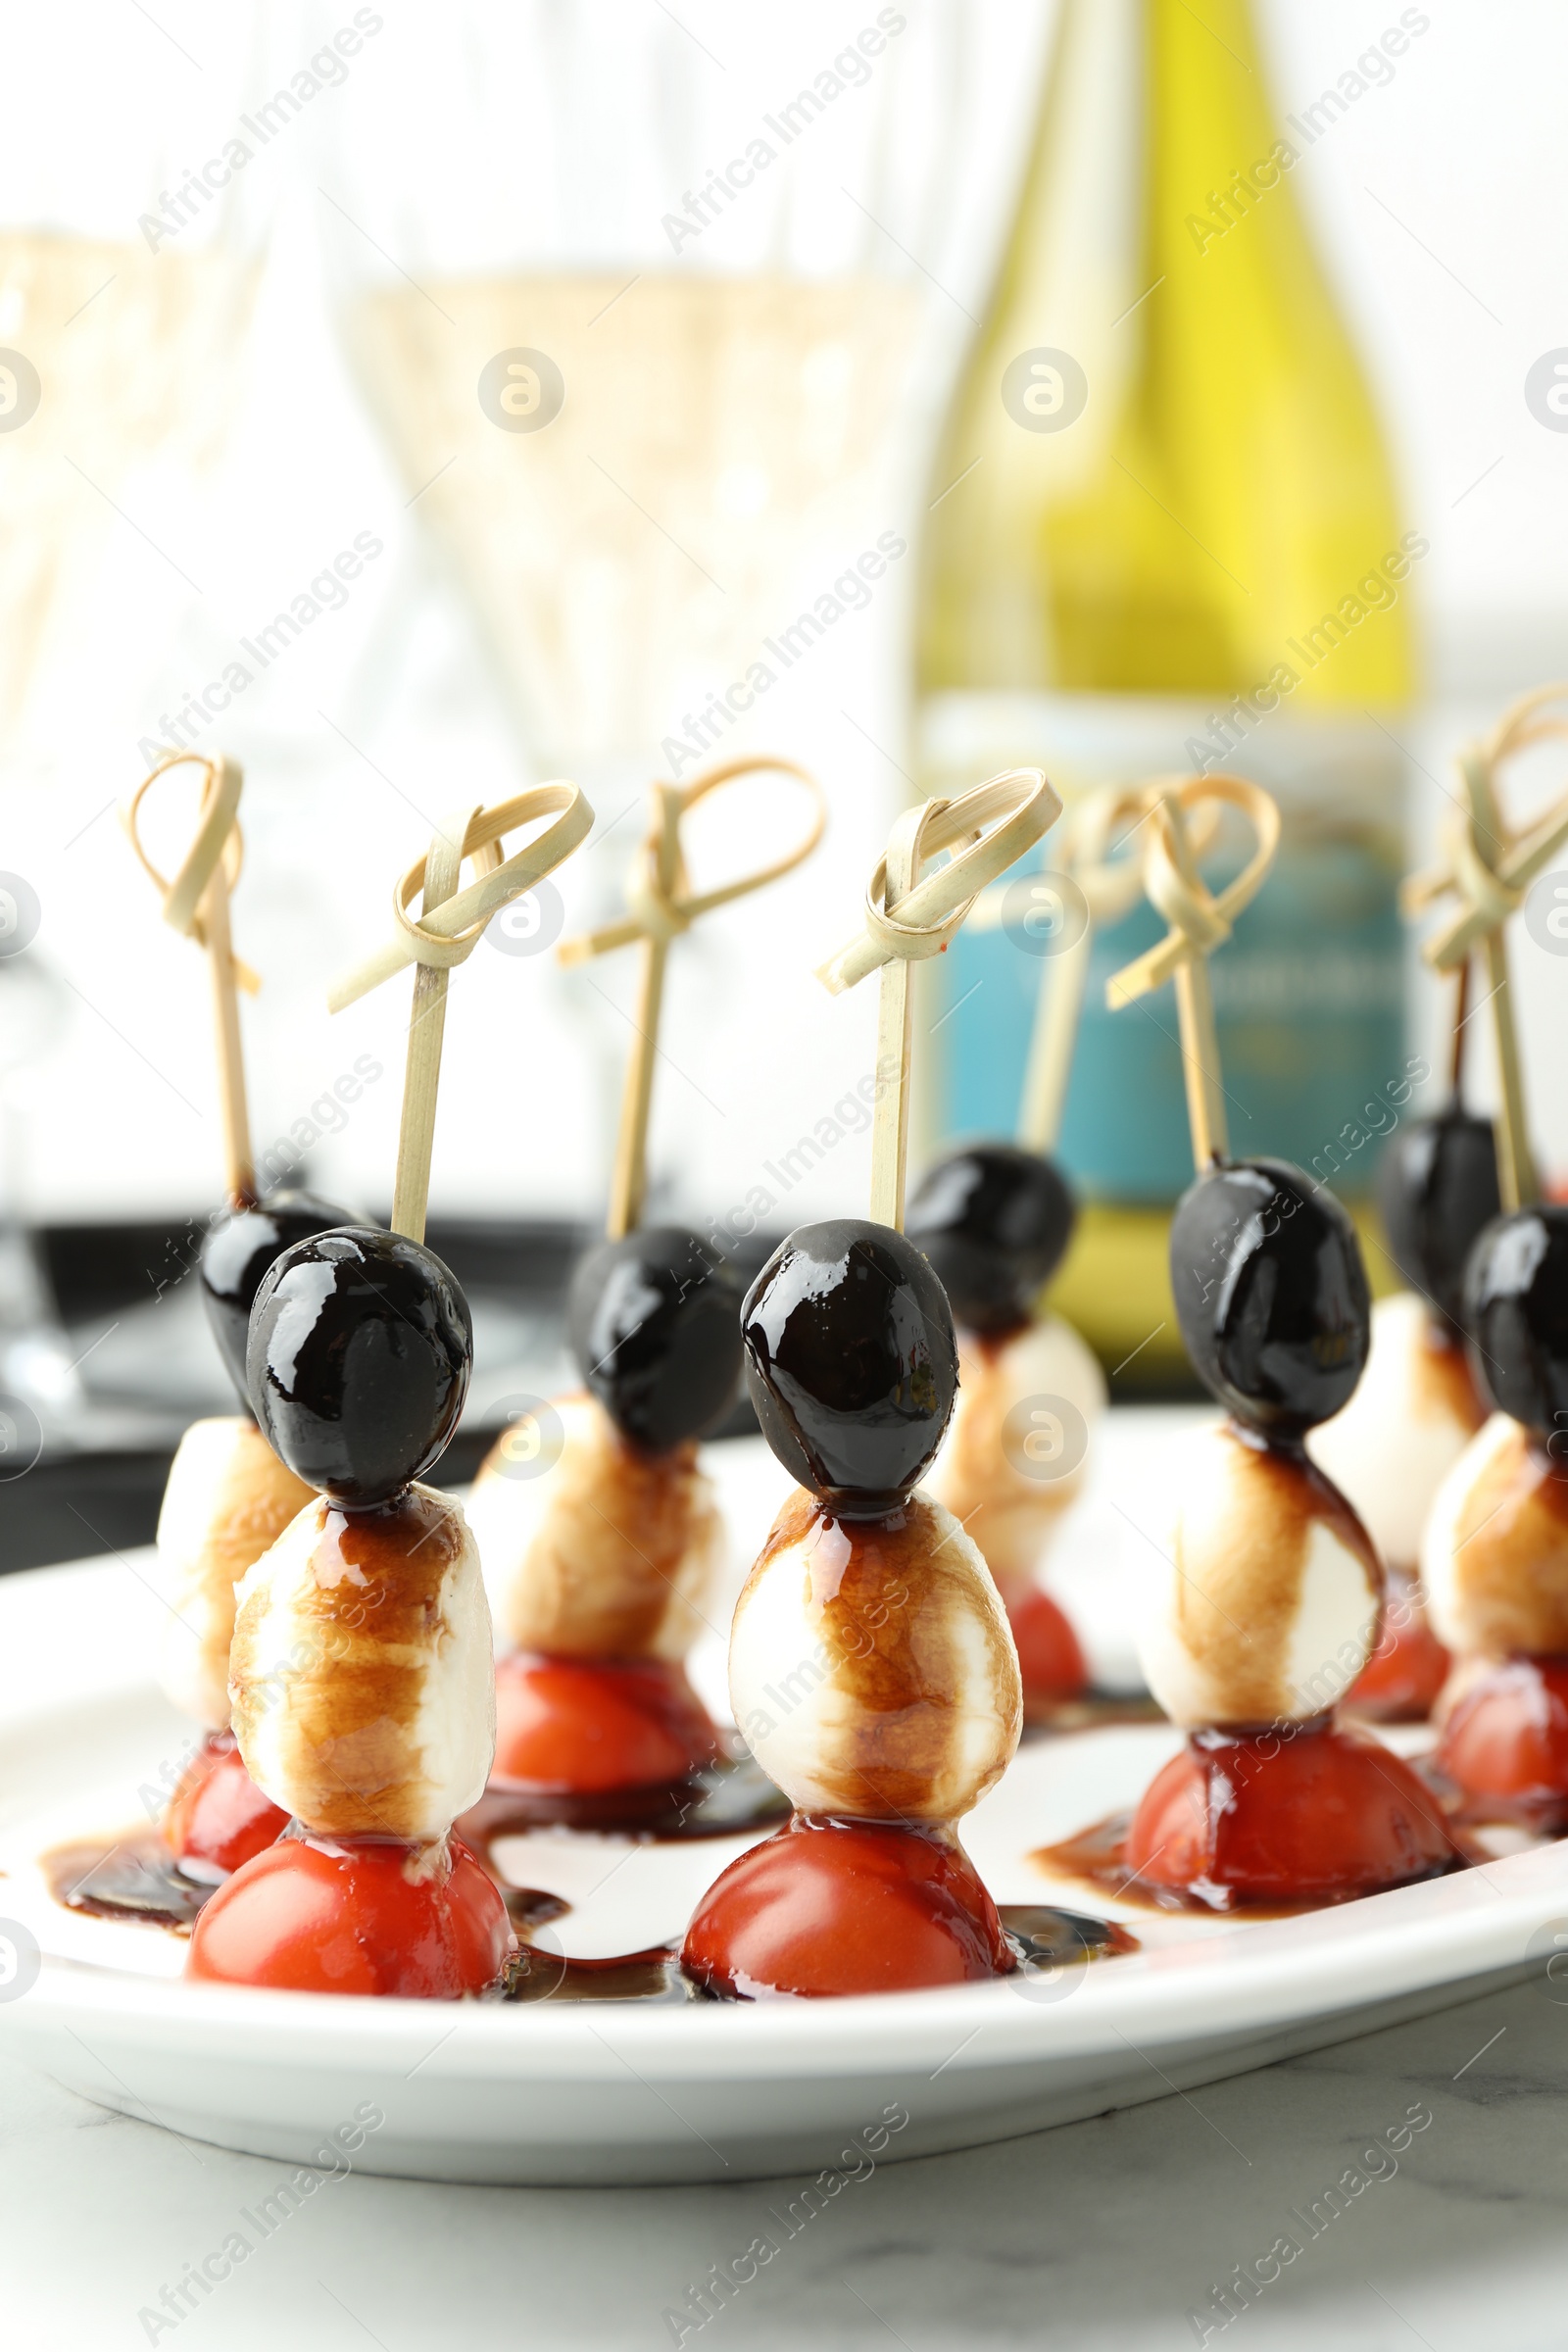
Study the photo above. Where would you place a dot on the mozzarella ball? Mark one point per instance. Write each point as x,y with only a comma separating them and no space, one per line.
1007,1487
872,1667
1495,1558
361,1674
1410,1420
609,1552
1272,1600
229,1497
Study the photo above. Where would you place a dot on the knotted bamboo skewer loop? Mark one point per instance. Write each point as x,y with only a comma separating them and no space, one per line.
446,934
1199,921
661,906
448,928
909,918
1489,870
196,903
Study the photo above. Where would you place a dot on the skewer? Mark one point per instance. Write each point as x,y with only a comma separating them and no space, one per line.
661,906
1461,1013
910,918
1489,870
1111,886
196,905
449,926
1200,921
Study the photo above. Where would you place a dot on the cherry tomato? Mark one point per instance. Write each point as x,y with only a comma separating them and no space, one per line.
1401,1680
328,1914
1049,1657
579,1726
829,1907
1506,1745
1316,1816
218,1814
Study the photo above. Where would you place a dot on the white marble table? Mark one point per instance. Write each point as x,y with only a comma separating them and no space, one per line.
1105,2234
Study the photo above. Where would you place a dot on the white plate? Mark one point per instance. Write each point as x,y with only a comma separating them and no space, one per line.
558,2093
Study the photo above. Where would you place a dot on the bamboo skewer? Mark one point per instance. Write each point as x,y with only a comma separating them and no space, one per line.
889,1124
428,1023
1110,887
1517,1183
910,917
628,1181
233,1111
661,906
1461,1014
196,902
449,926
1199,921
1489,870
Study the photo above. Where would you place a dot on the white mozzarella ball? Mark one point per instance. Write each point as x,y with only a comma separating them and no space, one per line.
1494,1562
361,1673
1271,1602
605,1551
1010,1462
229,1497
872,1667
1413,1413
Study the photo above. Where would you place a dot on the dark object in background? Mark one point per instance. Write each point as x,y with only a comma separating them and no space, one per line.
1271,1295
852,1362
1516,1308
1437,1188
995,1222
98,1269
361,1348
71,1506
236,1254
655,1324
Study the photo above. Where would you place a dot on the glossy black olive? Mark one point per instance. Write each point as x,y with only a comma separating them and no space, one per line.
1516,1311
851,1361
654,1321
1271,1294
237,1254
1437,1188
995,1222
360,1352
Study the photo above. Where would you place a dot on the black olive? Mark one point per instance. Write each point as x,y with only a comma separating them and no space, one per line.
237,1254
654,1321
360,1352
1516,1312
1437,1188
851,1361
995,1222
1271,1294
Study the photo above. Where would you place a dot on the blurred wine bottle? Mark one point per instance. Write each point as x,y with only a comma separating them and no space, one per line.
1163,536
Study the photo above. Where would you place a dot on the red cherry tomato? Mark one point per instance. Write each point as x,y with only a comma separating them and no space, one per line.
218,1814
828,1907
331,1916
1314,1817
580,1726
1401,1680
1050,1659
1506,1745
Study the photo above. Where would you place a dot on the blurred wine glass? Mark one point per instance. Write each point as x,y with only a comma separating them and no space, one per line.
635,349
129,256
636,309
